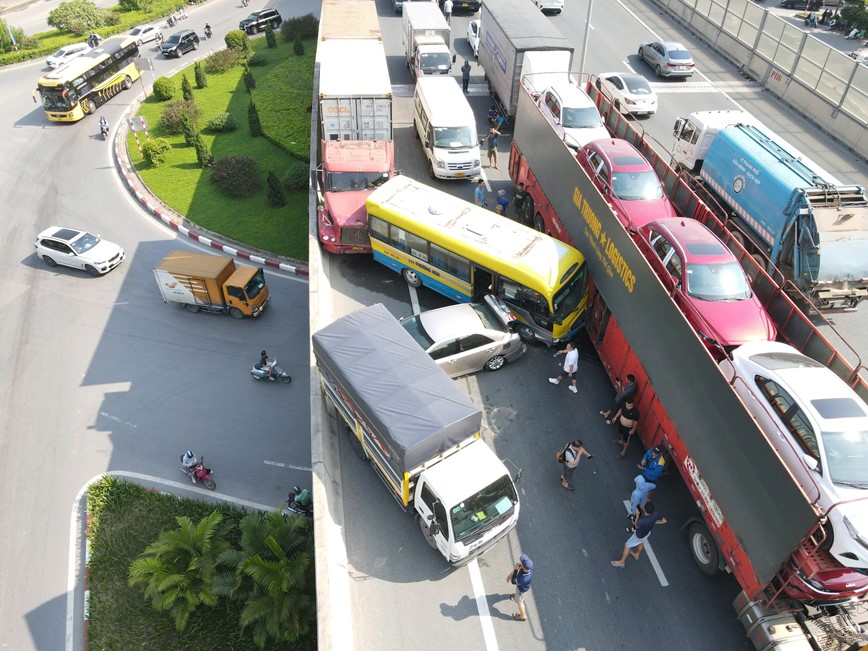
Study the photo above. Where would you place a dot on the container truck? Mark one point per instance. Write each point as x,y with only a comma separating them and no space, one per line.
427,37
211,283
350,171
780,204
349,19
754,519
510,29
419,431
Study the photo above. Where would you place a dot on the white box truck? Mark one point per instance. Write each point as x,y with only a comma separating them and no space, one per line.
427,37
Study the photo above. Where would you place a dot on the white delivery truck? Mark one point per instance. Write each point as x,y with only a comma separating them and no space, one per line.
427,37
419,431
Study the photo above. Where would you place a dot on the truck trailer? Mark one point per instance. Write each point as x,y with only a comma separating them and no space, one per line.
427,37
509,29
419,431
211,283
787,209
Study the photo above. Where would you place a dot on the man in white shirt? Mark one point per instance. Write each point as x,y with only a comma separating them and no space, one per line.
571,366
447,10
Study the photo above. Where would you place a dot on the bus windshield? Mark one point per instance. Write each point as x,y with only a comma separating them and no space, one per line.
454,137
352,181
570,296
255,285
476,512
54,99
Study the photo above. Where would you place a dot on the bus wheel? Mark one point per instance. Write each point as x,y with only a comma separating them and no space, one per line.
412,278
526,334
127,83
703,548
89,107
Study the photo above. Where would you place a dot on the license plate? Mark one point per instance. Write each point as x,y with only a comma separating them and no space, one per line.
459,174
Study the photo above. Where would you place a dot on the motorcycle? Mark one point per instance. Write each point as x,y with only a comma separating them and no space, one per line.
103,129
159,39
298,502
171,21
208,32
244,3
199,473
259,373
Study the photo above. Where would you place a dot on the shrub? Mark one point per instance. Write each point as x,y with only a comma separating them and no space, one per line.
297,176
203,152
200,76
303,27
236,176
78,17
270,39
221,123
136,5
253,120
155,151
249,81
190,129
298,47
275,192
236,39
21,39
172,117
258,59
164,89
186,88
223,60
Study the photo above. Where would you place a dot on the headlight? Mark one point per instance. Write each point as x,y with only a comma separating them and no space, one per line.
855,533
440,164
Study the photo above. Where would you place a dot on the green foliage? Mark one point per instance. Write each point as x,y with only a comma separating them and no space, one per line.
270,38
223,60
249,80
136,5
164,89
304,27
253,120
186,88
156,151
200,76
856,15
203,152
221,123
22,41
298,47
178,569
274,192
257,60
236,39
236,176
190,129
78,17
173,115
297,176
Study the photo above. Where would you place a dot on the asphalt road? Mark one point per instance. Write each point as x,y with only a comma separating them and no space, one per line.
100,374
403,595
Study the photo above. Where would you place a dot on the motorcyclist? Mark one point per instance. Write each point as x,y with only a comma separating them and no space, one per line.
207,30
264,364
103,125
189,462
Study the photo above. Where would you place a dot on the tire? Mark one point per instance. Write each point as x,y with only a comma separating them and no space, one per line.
209,484
415,129
526,334
179,53
423,525
89,107
703,548
255,377
195,45
49,261
412,278
761,261
658,71
495,363
738,237
599,85
539,224
127,83
641,55
93,271
285,379
617,105
140,43
191,308
235,313
431,170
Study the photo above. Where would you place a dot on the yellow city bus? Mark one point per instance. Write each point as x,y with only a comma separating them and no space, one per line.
78,88
464,251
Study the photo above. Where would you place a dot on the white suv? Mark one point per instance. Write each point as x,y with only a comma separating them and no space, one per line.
819,427
573,114
550,6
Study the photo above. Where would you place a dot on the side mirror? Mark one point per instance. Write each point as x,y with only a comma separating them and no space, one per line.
433,527
811,462
427,144
454,58
517,477
677,128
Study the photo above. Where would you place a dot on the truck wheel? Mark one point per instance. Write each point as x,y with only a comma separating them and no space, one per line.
703,548
760,261
191,308
426,531
539,224
235,313
495,363
412,278
738,237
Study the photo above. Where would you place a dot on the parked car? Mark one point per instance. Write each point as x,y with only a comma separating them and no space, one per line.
468,337
550,6
179,43
66,54
667,58
860,55
629,93
473,36
810,5
144,33
259,20
71,247
706,282
572,113
819,427
627,180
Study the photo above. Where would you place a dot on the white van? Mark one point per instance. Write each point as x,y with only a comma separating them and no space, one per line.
550,6
446,126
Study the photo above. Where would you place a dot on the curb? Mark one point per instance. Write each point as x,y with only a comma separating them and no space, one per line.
181,224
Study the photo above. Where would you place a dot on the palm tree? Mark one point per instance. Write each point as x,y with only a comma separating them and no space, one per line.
178,569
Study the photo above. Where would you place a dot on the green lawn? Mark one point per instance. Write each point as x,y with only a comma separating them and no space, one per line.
282,96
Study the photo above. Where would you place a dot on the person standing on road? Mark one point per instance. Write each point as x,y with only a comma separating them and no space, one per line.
652,464
570,457
479,194
502,202
627,418
465,76
571,366
447,11
643,527
491,145
521,576
518,199
624,391
639,496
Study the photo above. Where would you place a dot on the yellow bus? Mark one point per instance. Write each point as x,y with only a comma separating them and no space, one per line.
87,82
464,251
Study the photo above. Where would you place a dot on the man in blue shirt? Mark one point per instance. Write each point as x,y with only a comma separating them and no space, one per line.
643,526
521,576
652,464
479,193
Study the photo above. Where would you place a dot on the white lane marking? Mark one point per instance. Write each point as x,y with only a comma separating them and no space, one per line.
280,464
108,416
482,606
414,300
651,556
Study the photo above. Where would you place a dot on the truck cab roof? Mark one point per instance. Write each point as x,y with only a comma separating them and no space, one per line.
358,155
460,475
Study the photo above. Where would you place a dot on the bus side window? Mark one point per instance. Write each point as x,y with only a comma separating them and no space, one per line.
508,290
379,229
418,247
399,239
450,263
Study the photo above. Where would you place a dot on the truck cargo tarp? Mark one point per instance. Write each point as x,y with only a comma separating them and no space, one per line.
526,29
412,405
754,490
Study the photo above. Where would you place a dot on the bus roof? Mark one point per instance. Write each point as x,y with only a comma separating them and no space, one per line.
86,61
497,243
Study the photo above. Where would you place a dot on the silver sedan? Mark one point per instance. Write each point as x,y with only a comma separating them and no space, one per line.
667,58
